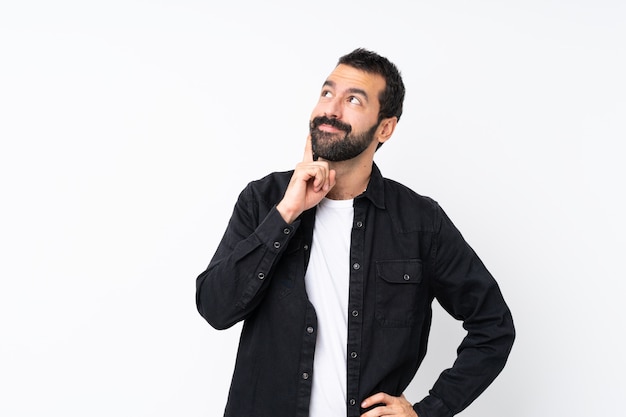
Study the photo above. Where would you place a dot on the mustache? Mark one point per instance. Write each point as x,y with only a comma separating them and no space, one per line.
323,120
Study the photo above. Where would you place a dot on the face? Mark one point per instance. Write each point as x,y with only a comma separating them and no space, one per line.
345,121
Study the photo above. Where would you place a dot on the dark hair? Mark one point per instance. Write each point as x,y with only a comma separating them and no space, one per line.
392,97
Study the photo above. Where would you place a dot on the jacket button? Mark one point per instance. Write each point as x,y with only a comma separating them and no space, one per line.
406,277
359,224
305,376
277,245
309,329
352,401
286,231
356,265
261,275
355,313
353,355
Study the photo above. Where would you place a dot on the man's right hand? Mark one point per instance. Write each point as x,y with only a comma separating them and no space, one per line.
309,184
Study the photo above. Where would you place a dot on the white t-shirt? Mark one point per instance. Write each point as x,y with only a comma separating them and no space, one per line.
327,283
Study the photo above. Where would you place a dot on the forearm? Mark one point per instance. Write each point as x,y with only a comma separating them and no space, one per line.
235,281
467,291
482,356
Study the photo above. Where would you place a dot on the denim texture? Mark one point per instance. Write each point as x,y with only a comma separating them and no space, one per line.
405,252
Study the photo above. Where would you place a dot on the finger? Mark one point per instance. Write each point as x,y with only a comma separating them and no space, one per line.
379,398
316,174
379,412
308,151
322,176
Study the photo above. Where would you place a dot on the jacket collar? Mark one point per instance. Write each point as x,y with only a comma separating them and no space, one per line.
375,191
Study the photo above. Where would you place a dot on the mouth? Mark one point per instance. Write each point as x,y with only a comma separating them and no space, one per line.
329,128
328,125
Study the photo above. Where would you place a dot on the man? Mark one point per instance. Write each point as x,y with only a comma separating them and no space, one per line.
334,268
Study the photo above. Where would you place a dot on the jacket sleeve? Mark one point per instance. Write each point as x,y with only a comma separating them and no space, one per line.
468,292
241,269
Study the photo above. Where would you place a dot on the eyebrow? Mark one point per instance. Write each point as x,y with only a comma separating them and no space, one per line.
353,90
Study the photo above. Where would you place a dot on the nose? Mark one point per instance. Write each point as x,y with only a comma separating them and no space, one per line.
332,109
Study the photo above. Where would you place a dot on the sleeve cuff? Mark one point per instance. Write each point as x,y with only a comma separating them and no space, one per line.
274,232
432,406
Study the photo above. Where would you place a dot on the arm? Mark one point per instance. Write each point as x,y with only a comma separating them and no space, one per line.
241,269
468,292
235,281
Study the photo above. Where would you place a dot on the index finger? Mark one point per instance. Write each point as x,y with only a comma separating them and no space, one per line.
309,156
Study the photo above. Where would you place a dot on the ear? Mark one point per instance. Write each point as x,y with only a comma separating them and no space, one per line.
386,128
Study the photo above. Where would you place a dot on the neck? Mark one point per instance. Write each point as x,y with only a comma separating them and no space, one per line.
352,178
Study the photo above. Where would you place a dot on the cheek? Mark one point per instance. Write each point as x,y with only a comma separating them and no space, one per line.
317,111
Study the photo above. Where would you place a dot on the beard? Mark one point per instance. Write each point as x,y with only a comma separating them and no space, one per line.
334,147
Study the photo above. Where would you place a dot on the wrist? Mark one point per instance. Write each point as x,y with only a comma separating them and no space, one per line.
287,214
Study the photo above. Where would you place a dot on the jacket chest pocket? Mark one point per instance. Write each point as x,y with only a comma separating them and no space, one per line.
397,291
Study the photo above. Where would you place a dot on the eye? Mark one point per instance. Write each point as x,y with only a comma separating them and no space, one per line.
326,93
354,100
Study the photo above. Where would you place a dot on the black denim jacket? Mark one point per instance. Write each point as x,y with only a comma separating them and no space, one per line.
404,253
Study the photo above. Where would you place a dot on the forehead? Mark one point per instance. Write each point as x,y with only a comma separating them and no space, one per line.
345,77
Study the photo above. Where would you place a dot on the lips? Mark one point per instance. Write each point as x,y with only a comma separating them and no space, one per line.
329,128
327,124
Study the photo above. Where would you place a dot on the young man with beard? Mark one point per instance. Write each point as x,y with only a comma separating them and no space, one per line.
334,268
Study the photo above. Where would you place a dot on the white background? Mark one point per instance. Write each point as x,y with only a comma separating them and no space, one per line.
129,127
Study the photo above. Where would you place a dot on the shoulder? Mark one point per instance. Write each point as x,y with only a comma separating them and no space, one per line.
269,189
412,210
397,192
